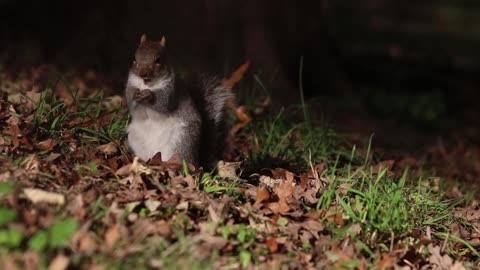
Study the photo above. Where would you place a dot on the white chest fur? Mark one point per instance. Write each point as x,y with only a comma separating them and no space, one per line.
155,133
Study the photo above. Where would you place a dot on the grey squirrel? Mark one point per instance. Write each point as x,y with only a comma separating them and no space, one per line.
172,115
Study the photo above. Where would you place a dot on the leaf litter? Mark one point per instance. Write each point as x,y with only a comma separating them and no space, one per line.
71,175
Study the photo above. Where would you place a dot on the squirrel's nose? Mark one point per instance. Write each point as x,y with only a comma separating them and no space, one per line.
147,79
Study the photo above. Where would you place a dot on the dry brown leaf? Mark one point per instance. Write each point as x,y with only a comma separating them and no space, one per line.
152,205
113,102
387,262
97,267
163,227
182,206
213,215
343,257
469,214
156,159
7,262
13,120
339,219
48,144
139,168
236,75
124,170
42,196
216,242
52,156
60,262
112,235
175,163
31,260
306,230
283,191
14,132
243,118
355,229
33,97
86,243
272,245
109,148
262,195
444,262
228,169
387,164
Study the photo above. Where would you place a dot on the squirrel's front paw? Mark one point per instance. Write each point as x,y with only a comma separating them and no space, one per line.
143,95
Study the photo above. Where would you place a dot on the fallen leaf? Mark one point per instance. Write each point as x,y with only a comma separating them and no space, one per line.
42,196
156,159
444,262
386,262
213,215
60,262
284,192
97,267
124,170
7,262
108,149
112,235
272,245
152,205
86,243
182,206
48,144
14,132
113,102
355,229
163,227
33,97
236,75
387,164
262,195
139,168
339,219
243,118
52,156
228,169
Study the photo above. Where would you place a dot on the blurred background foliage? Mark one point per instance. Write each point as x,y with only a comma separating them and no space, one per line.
357,48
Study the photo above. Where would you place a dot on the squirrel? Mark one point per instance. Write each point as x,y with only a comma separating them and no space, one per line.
172,115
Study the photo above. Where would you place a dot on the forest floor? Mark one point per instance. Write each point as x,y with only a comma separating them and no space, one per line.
295,194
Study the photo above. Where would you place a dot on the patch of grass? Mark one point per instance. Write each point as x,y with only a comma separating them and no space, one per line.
277,137
212,183
53,117
382,205
290,136
385,206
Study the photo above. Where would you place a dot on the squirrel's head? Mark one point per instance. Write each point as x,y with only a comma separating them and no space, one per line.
150,60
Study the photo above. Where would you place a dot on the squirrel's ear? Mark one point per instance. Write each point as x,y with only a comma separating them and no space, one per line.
163,41
143,38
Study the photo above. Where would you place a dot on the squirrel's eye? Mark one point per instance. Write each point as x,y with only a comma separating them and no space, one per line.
158,60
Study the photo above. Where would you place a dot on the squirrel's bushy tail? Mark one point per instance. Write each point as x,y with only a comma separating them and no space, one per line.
216,98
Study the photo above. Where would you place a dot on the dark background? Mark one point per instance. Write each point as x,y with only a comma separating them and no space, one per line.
389,44
404,70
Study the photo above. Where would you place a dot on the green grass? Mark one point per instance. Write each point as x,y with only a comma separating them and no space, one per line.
53,117
386,206
290,135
